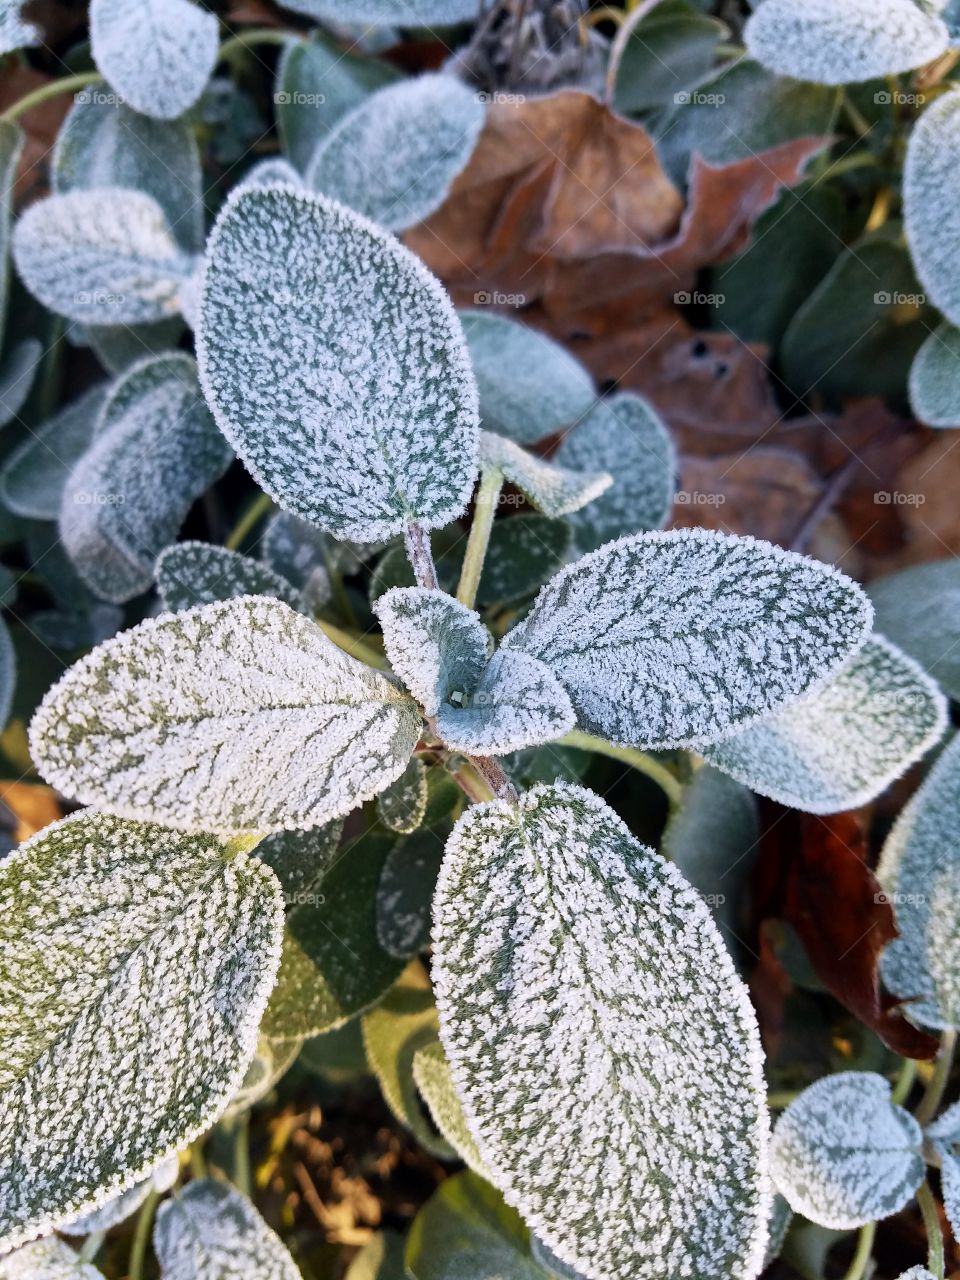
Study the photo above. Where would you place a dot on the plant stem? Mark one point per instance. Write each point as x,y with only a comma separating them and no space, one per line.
420,555
495,778
472,783
933,1095
904,1082
53,89
931,1224
138,1249
198,1165
354,645
640,760
256,35
241,1152
256,510
484,509
91,1246
861,1258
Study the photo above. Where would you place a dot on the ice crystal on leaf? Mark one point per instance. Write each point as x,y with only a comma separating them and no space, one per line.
920,870
213,1232
839,747
192,573
387,13
944,1135
624,436
930,205
843,1154
935,378
402,805
232,717
136,964
405,892
843,41
15,32
300,859
436,645
34,474
518,702
157,54
431,1073
122,1206
103,257
394,157
554,490
155,450
49,1259
529,385
675,639
335,365
601,1043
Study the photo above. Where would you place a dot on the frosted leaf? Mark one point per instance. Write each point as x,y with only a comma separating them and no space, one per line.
157,54
299,859
136,965
946,1128
335,365
950,1186
931,215
675,639
553,489
843,43
624,436
387,13
781,1216
210,1231
551,1263
103,143
843,1154
529,386
8,673
191,573
405,893
49,1259
304,554
404,1021
919,610
156,450
271,1062
103,257
269,173
523,553
17,373
839,747
431,1073
603,1047
917,1273
935,378
34,475
123,1205
15,32
232,717
11,148
402,805
395,156
920,872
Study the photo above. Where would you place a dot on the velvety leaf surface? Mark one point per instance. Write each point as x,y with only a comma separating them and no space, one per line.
405,893
935,378
431,1072
402,805
211,1231
49,1259
465,1230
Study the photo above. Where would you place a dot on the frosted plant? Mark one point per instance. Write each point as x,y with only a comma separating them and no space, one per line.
844,41
930,214
16,372
394,157
35,474
431,1072
120,1208
935,378
843,1154
919,609
157,54
49,1259
15,31
404,892
402,805
212,1231
192,573
554,490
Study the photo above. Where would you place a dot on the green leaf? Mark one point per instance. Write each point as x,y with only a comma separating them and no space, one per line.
103,143
402,805
465,1231
598,1036
35,473
843,1154
137,963
554,490
103,257
124,1205
119,347
675,639
49,1259
935,378
17,375
667,53
380,1259
192,573
300,859
920,871
919,610
529,386
405,893
305,555
518,702
155,450
404,1021
335,365
157,54
271,1062
333,966
431,1073
930,212
846,43
409,13
11,148
839,747
622,435
394,157
522,554
234,717
211,1231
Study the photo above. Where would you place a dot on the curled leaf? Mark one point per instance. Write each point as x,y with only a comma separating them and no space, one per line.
554,490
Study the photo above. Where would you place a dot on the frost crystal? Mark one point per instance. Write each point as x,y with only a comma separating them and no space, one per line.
944,1134
387,13
603,1047
529,386
233,717
124,1205
843,1154
136,963
300,859
920,870
839,747
436,645
156,449
919,609
192,573
14,31
212,1232
394,157
335,365
49,1259
935,378
554,490
624,436
843,41
931,211
35,473
674,639
157,54
431,1073
104,257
